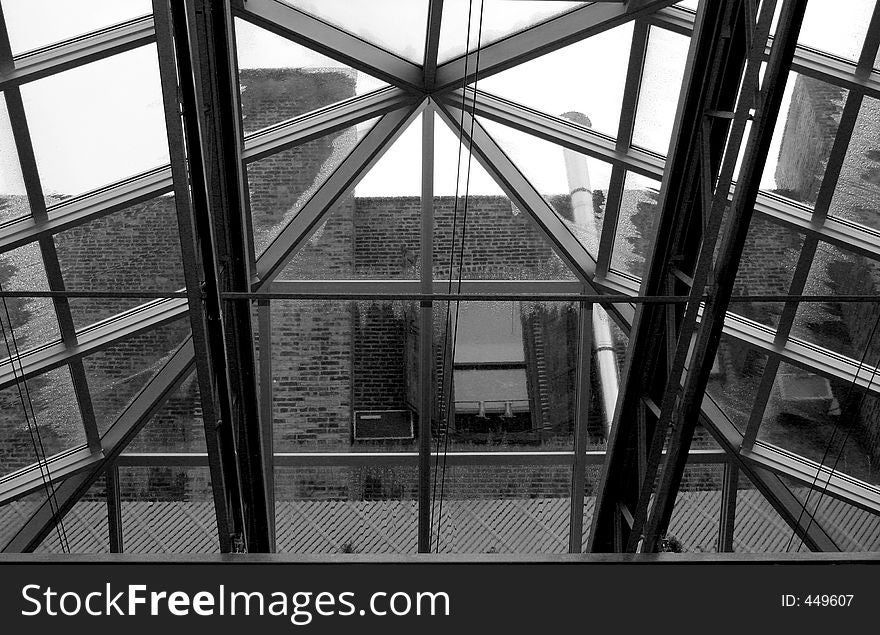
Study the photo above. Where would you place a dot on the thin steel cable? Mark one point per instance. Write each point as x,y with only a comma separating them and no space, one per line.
33,429
470,159
442,404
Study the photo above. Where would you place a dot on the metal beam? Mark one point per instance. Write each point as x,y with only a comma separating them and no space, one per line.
583,395
432,43
549,36
126,427
714,72
426,329
807,61
307,30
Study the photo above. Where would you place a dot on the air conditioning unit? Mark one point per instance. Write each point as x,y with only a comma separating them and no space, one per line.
383,425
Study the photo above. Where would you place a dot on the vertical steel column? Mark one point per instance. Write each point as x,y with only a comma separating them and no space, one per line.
426,331
583,396
204,45
714,72
267,392
727,518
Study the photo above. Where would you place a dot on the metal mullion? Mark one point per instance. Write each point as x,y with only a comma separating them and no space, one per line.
267,401
34,190
626,126
426,329
727,517
432,42
583,393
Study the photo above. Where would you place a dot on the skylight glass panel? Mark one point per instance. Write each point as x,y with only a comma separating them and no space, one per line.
282,183
660,89
35,23
109,126
586,77
857,195
14,203
398,26
135,249
482,234
824,420
280,79
836,27
636,225
842,327
42,411
374,234
574,185
487,21
803,137
33,319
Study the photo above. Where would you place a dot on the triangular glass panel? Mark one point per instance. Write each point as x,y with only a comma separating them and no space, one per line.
118,373
84,528
39,418
280,79
574,185
586,77
177,426
481,234
134,249
398,26
282,183
373,233
488,21
87,140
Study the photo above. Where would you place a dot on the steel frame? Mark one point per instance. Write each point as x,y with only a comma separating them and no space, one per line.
398,106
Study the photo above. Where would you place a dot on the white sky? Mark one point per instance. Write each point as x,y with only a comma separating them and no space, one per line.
103,122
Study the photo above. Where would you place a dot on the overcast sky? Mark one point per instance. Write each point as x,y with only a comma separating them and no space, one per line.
104,121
